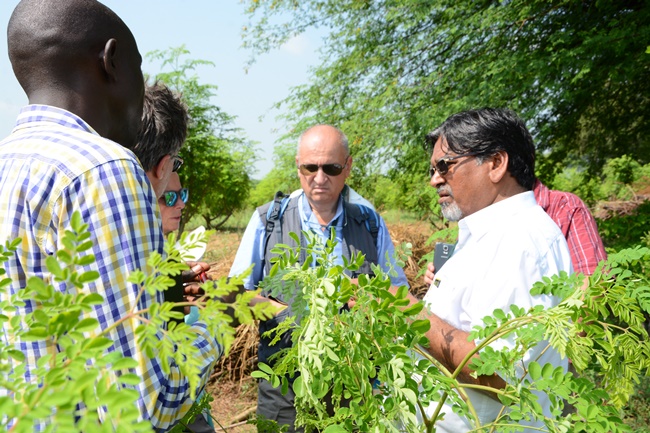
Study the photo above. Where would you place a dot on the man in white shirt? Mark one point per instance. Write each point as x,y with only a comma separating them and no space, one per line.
482,166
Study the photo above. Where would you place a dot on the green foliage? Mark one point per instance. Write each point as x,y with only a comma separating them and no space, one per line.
80,372
364,369
638,409
620,232
282,177
199,407
218,158
392,70
79,385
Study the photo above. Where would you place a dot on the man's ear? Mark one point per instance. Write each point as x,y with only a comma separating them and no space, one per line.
348,168
107,59
498,166
159,169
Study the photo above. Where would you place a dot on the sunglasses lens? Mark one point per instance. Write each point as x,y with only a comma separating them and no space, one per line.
328,169
178,162
184,194
308,169
442,167
332,169
170,198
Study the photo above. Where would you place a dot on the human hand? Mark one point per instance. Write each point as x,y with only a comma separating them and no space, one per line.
192,280
196,273
429,274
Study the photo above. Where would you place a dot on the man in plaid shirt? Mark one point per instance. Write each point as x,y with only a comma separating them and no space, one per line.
81,70
577,225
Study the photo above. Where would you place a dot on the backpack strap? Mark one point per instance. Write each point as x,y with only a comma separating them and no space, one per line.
273,220
371,221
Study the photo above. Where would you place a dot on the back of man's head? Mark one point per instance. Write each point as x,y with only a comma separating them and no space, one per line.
80,56
164,125
486,131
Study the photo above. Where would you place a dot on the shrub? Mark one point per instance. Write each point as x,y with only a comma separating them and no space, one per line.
80,385
368,359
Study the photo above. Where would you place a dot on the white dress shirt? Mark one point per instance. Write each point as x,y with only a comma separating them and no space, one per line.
502,251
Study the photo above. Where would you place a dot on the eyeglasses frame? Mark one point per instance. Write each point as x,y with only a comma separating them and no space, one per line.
178,163
178,195
444,160
307,172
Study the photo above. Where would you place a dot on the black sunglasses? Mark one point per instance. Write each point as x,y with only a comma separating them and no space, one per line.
442,166
178,162
328,169
171,197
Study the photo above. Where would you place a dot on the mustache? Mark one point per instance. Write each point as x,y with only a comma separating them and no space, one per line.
445,189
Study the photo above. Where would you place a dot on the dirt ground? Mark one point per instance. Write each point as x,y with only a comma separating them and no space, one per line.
233,390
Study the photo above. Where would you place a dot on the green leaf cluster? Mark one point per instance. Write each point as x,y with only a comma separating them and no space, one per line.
81,383
359,363
77,378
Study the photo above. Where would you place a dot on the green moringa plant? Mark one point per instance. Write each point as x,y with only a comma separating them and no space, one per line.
79,385
366,368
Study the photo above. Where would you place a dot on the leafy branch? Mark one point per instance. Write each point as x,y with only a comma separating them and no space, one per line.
78,382
359,363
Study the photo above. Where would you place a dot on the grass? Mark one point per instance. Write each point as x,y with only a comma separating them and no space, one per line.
393,216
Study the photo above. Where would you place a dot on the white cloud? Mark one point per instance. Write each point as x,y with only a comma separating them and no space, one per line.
297,45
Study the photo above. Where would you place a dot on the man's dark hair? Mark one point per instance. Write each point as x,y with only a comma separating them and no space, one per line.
487,131
164,125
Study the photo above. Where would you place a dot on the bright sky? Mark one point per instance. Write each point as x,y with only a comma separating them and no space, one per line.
210,30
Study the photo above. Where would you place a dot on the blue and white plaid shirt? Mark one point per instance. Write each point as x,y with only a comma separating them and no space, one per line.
52,165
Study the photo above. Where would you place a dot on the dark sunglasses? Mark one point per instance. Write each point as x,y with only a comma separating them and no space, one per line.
171,197
328,169
178,162
442,166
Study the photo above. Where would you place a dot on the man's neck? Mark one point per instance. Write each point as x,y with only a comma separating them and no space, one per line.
324,214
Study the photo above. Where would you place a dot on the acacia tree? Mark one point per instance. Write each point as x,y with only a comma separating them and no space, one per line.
216,152
575,70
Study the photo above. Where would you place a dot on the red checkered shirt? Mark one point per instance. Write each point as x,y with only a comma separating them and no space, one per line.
576,223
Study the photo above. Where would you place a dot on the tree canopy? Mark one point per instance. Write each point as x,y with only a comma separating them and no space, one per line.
392,70
216,153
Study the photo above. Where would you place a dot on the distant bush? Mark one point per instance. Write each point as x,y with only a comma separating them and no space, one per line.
619,180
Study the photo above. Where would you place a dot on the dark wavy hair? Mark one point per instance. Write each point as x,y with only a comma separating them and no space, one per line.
164,125
486,131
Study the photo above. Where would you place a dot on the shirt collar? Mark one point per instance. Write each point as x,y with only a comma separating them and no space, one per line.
307,215
486,219
36,115
542,194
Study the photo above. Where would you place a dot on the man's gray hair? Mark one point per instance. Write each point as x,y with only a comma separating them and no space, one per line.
164,125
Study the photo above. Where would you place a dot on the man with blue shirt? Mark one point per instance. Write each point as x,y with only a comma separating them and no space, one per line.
324,162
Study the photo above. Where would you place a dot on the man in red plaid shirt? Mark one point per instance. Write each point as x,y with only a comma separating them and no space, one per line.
576,223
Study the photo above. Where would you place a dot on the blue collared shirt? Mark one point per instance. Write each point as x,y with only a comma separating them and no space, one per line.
251,248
